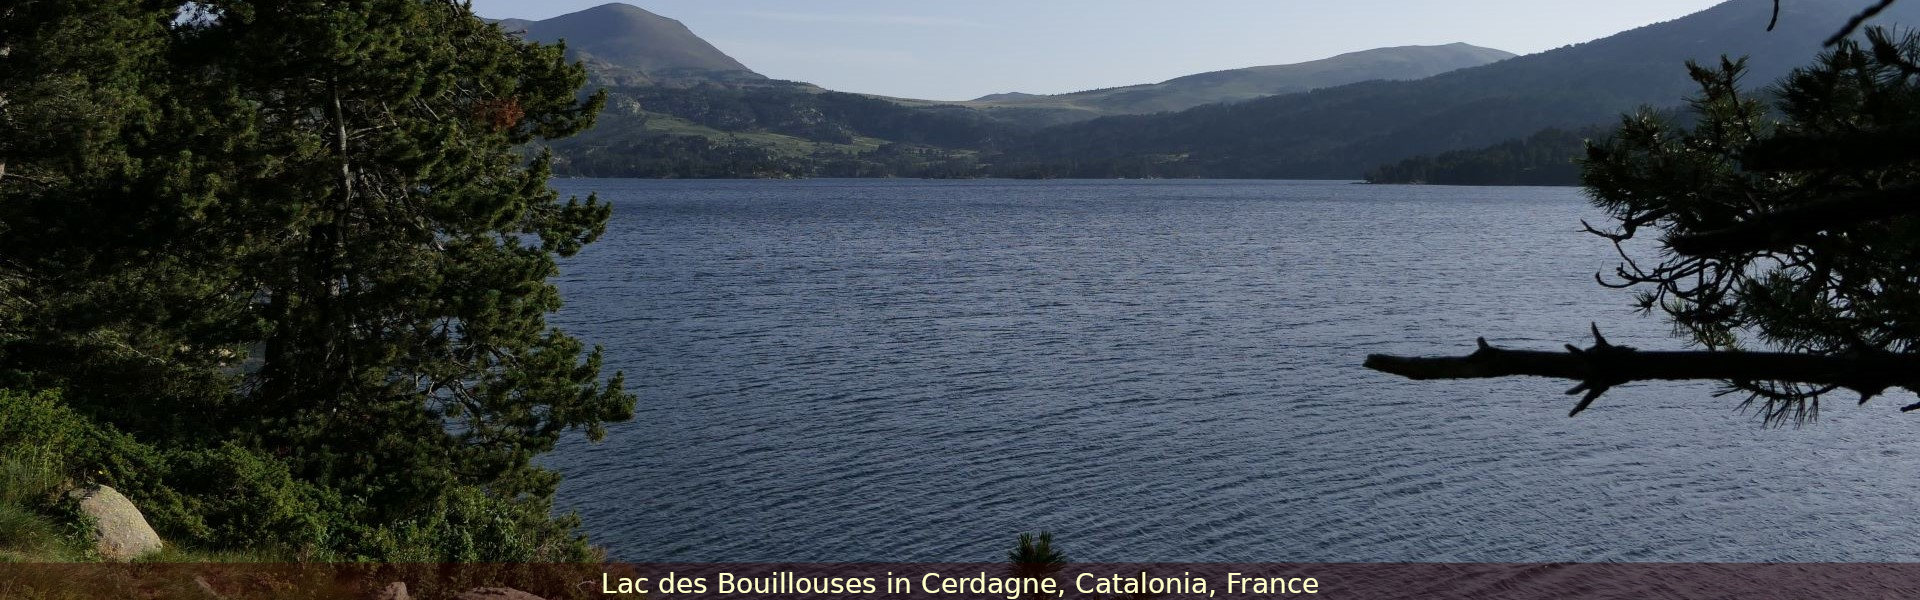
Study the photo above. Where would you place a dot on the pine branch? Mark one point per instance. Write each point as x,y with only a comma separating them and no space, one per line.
1852,25
1859,19
1603,366
1784,228
1881,147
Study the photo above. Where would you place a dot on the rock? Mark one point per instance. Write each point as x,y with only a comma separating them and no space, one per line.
496,594
121,533
394,591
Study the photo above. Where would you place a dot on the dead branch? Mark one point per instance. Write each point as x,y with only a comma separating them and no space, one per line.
1604,366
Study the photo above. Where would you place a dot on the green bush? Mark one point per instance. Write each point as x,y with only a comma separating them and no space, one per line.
472,526
41,422
222,497
230,498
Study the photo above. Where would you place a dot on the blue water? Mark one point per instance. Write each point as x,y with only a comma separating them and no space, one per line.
919,371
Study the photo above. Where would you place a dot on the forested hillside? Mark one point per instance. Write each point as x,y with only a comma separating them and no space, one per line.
728,126
1544,158
780,130
1238,85
1342,132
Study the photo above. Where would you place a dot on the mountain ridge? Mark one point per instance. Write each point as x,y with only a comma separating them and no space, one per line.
628,45
767,128
1340,132
1247,83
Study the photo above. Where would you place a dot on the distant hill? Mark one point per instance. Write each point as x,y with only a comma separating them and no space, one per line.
1342,132
768,128
1007,97
1544,158
626,45
679,107
1400,63
715,120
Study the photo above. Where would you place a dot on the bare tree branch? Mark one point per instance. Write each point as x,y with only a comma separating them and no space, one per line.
1604,365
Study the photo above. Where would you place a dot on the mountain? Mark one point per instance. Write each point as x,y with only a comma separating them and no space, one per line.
1343,131
775,129
681,120
767,128
1400,63
625,44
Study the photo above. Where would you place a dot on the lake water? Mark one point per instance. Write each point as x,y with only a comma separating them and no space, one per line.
1165,371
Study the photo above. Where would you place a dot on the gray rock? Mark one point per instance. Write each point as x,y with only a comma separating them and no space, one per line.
394,591
496,594
121,533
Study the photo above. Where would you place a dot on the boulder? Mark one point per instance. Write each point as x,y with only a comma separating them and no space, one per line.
121,533
496,594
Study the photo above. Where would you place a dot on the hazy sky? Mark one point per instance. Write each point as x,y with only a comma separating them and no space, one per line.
961,49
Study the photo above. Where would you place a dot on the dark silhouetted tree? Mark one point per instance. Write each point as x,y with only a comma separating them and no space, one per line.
1789,248
1035,557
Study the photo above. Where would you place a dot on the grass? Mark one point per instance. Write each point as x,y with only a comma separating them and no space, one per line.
28,483
28,534
174,553
783,145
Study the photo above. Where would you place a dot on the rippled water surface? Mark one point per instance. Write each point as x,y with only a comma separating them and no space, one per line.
918,371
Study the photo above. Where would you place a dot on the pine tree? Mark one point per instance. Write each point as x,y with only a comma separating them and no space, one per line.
93,223
407,347
1791,248
305,227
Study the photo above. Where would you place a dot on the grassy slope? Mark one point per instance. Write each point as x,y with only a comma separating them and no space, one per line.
784,145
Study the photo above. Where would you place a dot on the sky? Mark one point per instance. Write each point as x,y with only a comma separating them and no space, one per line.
963,49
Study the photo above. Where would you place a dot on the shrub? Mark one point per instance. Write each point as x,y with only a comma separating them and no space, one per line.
222,497
229,497
82,450
474,526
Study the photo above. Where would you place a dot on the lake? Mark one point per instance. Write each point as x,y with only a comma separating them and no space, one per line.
878,370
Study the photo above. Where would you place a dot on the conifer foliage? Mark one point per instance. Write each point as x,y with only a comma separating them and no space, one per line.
1784,242
305,228
1845,144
